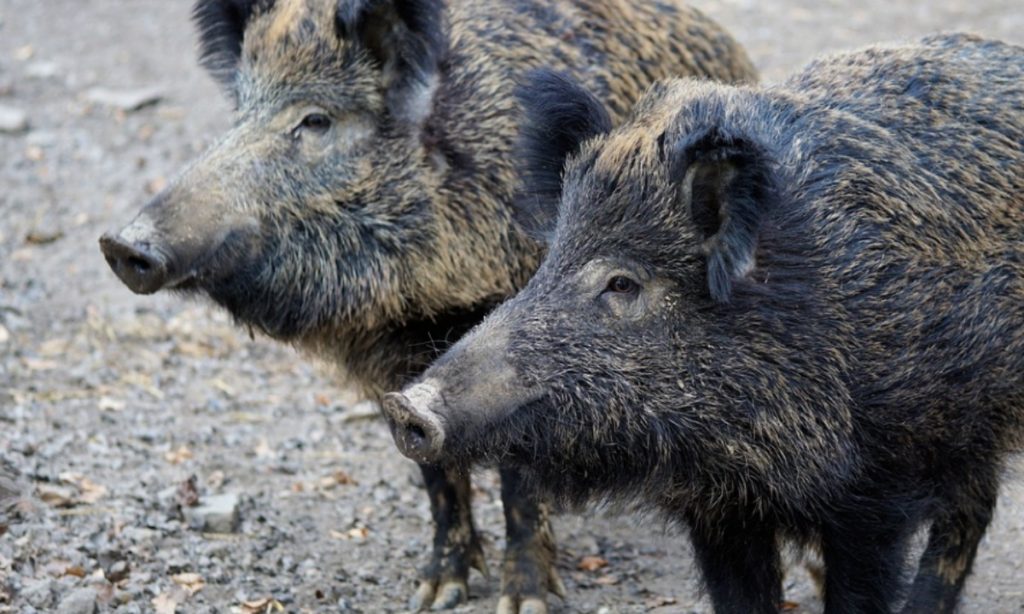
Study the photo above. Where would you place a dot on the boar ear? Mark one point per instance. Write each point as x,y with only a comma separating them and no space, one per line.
408,38
725,186
221,25
559,116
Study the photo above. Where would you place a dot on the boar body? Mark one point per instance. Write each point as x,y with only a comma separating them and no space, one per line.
783,313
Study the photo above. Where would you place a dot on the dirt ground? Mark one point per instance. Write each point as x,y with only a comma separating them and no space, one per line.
110,402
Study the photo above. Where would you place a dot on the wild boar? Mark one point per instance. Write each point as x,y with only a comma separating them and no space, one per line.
789,313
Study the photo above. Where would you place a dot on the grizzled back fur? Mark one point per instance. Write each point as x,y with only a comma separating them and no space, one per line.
402,236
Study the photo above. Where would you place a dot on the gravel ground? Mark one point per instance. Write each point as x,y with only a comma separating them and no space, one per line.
118,413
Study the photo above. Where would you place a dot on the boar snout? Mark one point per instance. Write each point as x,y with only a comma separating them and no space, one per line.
136,262
416,428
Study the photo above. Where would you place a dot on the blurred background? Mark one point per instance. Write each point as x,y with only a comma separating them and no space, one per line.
119,413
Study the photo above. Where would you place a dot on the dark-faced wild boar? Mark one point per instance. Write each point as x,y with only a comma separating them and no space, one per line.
360,205
782,313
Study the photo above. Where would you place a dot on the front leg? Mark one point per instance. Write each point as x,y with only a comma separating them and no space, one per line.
739,562
528,573
444,582
864,552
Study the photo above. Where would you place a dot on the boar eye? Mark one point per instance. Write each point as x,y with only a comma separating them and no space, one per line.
316,122
621,284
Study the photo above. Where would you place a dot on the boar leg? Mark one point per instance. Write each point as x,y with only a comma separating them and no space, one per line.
952,544
444,581
529,571
739,562
864,552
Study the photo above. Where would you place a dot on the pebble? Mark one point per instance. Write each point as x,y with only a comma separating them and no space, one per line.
216,514
42,69
79,601
12,120
124,100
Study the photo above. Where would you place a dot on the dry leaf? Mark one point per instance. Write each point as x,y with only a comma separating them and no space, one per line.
164,604
358,533
36,364
592,563
262,606
789,606
76,571
109,404
91,491
607,580
56,496
40,237
191,582
177,457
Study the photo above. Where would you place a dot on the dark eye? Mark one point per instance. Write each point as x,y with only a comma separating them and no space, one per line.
316,122
621,284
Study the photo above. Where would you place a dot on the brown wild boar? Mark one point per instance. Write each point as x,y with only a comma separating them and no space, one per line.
360,206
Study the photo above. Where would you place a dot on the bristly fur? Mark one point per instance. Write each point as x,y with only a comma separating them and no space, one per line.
821,338
559,115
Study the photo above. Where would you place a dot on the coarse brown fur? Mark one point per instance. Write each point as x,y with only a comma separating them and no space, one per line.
793,312
360,207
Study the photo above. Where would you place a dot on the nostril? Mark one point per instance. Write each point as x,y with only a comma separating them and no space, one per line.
140,265
416,434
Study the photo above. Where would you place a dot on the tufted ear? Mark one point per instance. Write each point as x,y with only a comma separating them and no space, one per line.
559,116
221,25
725,185
408,39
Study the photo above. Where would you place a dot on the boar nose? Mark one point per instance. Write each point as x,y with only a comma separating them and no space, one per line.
417,430
140,267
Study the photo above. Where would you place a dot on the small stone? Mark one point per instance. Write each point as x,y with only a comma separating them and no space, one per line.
42,69
12,120
79,601
38,594
124,100
117,572
216,514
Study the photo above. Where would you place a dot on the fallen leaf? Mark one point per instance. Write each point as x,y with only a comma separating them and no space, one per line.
262,606
179,456
336,478
607,580
36,364
40,237
76,571
109,404
358,533
164,604
91,491
191,582
592,563
56,496
658,602
789,606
